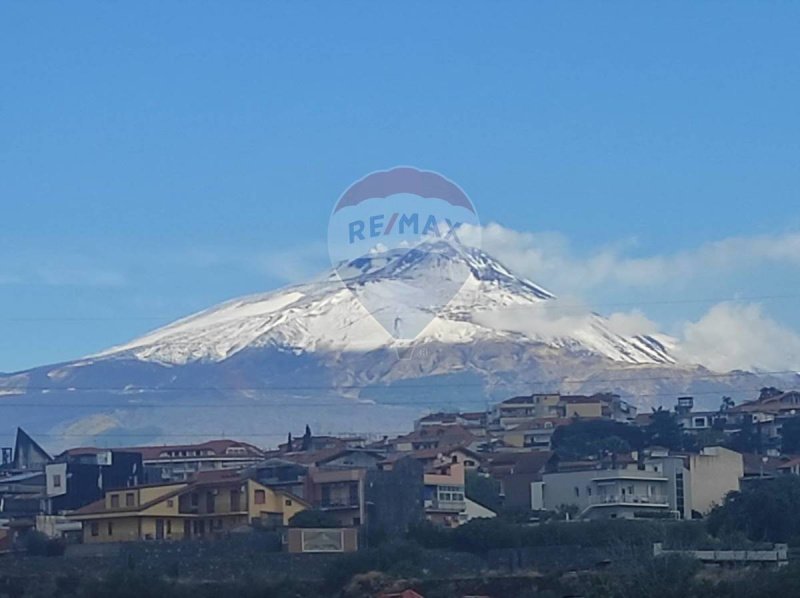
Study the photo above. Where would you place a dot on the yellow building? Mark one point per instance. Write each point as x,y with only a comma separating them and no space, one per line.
209,506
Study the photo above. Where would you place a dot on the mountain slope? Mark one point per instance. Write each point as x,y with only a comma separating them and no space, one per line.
259,366
330,315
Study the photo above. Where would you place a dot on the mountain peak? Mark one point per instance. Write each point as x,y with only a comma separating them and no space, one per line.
453,296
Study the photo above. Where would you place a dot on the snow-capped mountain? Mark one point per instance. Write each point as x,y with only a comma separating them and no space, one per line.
453,292
332,353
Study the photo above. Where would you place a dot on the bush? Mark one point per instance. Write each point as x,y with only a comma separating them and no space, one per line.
36,543
313,518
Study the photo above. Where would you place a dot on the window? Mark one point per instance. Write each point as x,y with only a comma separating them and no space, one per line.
110,528
95,527
57,480
577,491
171,502
115,501
130,499
260,497
288,502
169,526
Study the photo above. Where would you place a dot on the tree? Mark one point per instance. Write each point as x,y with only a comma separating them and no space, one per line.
313,518
768,392
765,511
307,439
726,404
591,438
483,489
664,430
748,438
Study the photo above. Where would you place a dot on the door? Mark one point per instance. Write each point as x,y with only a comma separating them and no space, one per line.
159,529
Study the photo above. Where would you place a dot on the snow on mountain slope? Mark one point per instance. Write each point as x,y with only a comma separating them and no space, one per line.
329,314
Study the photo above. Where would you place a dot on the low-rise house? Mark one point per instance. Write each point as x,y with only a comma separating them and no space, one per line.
209,506
471,460
580,406
520,409
534,434
697,421
476,422
759,467
428,437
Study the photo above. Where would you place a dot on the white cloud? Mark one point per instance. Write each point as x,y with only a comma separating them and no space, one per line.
545,321
739,336
549,258
731,335
631,323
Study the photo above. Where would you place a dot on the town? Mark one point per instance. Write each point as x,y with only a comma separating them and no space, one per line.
528,462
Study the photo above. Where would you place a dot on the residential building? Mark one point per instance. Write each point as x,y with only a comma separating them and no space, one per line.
280,474
533,434
522,409
339,492
517,410
475,422
471,460
655,484
696,421
76,479
715,471
516,472
28,455
394,496
211,505
444,495
22,495
580,406
622,492
428,437
177,463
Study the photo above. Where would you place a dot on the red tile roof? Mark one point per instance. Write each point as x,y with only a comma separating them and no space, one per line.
219,448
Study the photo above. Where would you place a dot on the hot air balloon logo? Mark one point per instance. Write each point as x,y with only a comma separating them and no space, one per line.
394,241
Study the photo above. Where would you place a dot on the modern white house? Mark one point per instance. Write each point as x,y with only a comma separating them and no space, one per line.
679,486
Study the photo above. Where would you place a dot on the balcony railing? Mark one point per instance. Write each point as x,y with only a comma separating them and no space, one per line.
631,499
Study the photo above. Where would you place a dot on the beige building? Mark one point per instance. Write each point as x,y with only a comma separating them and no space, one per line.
715,471
661,485
185,510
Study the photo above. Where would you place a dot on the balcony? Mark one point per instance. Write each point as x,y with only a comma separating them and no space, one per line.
642,500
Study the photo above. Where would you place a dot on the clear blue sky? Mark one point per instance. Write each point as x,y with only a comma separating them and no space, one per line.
157,157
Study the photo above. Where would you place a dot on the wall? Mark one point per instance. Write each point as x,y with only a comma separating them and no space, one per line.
124,529
714,472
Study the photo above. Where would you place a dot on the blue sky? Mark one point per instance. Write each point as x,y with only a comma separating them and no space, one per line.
160,157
